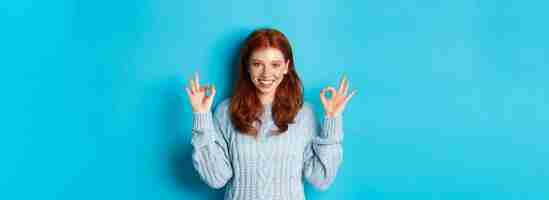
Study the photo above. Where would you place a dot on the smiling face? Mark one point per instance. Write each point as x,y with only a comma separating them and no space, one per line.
267,67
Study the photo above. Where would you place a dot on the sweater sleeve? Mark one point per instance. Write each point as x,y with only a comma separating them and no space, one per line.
323,153
210,147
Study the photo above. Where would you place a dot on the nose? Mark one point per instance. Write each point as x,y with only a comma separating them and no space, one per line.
265,71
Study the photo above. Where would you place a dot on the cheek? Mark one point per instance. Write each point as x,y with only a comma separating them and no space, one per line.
280,72
254,74
280,77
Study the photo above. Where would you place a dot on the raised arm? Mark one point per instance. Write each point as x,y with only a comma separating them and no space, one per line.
324,153
210,150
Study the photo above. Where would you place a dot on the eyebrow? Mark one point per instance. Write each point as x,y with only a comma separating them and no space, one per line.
257,60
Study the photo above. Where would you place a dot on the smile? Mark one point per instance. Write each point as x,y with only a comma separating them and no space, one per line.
266,82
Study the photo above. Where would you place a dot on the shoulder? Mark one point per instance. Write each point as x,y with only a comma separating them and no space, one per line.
307,107
224,104
223,118
222,108
306,118
307,111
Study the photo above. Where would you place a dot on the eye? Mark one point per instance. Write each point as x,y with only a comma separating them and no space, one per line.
276,65
255,64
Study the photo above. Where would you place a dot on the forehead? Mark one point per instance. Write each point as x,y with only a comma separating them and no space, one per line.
267,54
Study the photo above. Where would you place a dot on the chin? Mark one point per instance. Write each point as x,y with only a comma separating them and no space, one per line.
266,91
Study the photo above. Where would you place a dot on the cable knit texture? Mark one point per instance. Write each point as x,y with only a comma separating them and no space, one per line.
269,166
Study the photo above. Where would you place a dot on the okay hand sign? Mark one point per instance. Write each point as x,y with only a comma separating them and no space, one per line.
200,102
334,106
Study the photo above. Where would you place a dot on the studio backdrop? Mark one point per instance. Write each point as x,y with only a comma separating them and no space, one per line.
452,102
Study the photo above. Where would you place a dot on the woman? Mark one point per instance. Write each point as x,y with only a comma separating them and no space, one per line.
263,141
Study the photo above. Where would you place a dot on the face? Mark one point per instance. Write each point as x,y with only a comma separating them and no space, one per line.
267,69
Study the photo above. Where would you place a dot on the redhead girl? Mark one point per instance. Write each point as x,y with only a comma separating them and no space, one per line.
264,141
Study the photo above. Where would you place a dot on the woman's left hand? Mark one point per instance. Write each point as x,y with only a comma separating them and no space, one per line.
335,106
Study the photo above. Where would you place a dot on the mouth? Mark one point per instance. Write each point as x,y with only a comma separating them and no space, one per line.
265,83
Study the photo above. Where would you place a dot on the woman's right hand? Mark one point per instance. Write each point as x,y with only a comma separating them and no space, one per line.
200,102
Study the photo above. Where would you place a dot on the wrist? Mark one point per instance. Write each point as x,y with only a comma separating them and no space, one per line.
331,115
332,130
202,121
199,110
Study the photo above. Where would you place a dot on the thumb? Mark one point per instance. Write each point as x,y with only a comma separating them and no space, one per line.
212,93
323,97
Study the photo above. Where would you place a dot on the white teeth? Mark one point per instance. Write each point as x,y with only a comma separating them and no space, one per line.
266,82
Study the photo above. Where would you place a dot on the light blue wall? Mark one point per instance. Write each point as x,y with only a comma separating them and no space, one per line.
453,98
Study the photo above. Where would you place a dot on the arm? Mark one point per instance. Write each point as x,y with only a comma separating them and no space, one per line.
323,154
209,156
210,153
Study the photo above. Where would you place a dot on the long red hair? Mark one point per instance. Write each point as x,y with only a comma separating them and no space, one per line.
245,107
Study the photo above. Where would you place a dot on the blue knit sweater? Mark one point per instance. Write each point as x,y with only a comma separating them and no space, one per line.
271,166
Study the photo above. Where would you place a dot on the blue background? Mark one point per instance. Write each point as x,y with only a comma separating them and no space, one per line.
452,96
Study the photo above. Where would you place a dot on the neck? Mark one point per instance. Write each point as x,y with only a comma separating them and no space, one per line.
266,98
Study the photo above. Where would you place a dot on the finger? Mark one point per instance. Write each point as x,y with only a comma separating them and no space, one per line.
323,97
191,85
209,99
332,90
341,84
197,81
212,91
348,98
189,93
345,87
204,88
